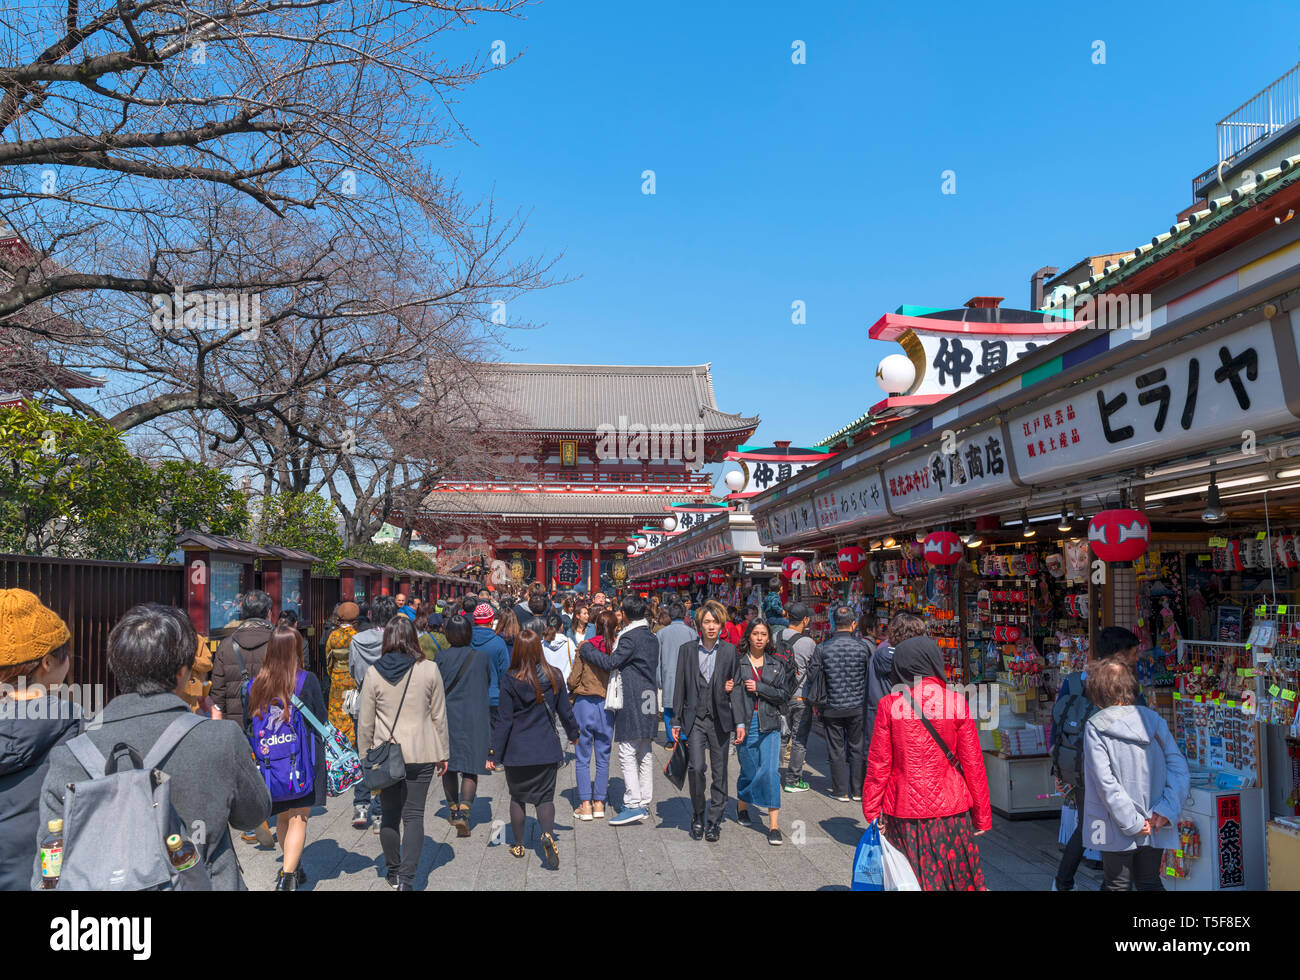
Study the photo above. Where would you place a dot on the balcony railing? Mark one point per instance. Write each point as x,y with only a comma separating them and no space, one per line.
1253,123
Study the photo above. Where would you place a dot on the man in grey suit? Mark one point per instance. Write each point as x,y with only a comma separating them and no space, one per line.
708,706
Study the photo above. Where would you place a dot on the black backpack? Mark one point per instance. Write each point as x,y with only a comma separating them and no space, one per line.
1070,717
815,691
780,646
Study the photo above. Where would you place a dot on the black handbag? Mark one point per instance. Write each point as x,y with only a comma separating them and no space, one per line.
677,764
384,765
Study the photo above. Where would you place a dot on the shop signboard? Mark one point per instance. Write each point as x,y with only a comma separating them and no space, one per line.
855,500
792,520
1232,871
977,465
1179,402
957,360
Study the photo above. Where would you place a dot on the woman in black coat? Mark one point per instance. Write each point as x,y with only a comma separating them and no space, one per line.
466,677
525,740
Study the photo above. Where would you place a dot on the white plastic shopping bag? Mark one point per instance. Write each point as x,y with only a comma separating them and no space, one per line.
899,876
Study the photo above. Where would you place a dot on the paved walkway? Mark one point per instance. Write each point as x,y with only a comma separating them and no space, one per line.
657,854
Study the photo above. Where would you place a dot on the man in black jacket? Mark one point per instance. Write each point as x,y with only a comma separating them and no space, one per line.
228,674
844,662
708,706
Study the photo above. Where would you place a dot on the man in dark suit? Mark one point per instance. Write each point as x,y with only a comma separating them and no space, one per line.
708,707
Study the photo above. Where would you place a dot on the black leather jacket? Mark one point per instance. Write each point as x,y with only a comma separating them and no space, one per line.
773,691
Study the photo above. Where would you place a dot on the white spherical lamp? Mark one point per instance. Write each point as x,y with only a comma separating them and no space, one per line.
670,523
631,549
734,481
895,374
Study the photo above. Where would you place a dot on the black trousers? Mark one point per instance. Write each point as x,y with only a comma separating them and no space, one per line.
404,803
703,737
1136,870
844,744
1073,852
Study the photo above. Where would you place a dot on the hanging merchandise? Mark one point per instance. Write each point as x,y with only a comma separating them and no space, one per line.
1076,561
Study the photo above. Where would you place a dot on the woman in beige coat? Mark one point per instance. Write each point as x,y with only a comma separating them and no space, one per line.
402,701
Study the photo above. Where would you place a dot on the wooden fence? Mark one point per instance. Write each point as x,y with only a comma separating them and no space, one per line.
92,596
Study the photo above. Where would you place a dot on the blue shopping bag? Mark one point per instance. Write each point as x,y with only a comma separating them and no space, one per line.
868,866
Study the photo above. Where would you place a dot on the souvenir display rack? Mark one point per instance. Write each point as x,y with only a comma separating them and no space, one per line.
1214,719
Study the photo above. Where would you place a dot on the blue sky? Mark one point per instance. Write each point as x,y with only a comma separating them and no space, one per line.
821,182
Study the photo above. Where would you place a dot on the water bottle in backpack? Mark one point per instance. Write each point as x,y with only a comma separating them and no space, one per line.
116,824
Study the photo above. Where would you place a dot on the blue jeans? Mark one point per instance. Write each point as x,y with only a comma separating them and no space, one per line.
596,731
668,726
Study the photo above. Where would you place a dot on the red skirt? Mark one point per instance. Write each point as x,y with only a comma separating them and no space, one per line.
941,850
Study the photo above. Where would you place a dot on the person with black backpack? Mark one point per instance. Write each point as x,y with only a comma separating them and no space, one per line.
289,752
212,782
1070,716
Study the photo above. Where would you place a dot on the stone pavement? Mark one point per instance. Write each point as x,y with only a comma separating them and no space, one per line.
657,854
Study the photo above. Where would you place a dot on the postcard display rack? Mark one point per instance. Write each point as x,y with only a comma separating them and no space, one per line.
1216,724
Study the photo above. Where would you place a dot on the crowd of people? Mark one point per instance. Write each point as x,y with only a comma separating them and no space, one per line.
509,682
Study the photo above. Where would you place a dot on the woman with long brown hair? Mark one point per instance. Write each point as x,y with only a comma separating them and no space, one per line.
403,701
525,740
271,717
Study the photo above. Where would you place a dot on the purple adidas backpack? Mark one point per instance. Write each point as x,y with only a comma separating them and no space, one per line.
285,750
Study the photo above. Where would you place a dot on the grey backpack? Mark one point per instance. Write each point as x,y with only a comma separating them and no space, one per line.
116,823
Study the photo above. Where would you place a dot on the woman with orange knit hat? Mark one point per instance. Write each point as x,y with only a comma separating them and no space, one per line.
34,659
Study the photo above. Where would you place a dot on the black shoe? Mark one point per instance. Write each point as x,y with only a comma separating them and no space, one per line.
1095,865
742,813
286,883
774,837
301,876
697,829
404,887
713,832
391,878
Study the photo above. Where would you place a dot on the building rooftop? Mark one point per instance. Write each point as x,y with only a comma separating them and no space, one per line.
508,504
580,398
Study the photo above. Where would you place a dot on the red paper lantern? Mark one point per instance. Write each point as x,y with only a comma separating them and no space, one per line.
701,578
851,560
1119,535
717,576
942,548
792,566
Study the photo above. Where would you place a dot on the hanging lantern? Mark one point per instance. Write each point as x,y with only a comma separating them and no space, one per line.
790,567
942,548
1119,535
717,576
701,578
851,560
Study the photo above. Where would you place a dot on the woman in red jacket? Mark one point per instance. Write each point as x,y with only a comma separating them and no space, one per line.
927,794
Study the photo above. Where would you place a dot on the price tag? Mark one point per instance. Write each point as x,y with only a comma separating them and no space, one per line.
1260,536
1245,671
1177,696
1203,558
1281,610
1196,670
1288,695
1274,690
1200,699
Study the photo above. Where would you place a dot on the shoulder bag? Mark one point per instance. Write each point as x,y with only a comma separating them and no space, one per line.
384,765
614,687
